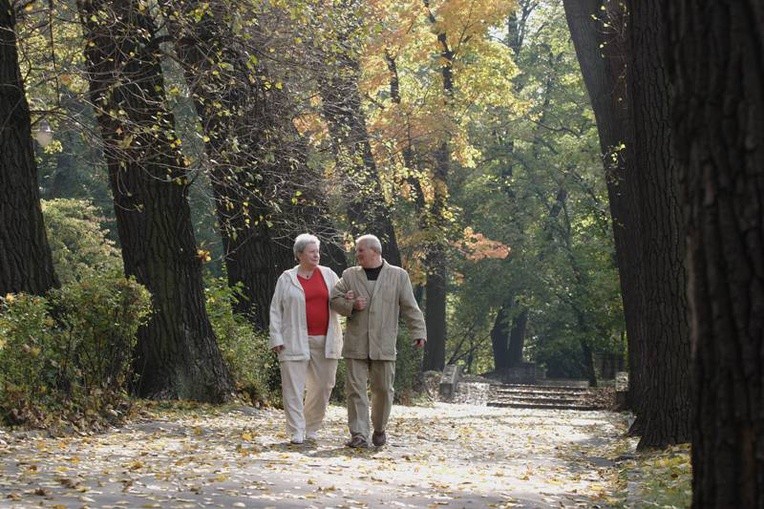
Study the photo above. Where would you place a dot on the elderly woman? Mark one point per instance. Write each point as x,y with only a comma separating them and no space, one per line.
306,335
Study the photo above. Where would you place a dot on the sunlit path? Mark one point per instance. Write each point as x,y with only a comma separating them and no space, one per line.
442,455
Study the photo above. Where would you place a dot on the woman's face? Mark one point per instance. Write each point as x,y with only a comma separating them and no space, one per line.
309,256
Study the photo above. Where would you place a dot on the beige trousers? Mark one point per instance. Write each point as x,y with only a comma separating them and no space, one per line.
306,387
379,376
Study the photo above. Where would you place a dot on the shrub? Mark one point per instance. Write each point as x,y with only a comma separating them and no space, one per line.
28,364
407,370
78,241
98,319
254,367
67,358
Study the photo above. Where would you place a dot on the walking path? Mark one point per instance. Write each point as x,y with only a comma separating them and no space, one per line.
441,455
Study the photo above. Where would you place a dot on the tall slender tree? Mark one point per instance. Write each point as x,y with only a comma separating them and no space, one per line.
177,353
26,264
597,29
717,69
624,69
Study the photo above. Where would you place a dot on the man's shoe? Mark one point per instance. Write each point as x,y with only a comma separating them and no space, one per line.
297,439
357,442
379,438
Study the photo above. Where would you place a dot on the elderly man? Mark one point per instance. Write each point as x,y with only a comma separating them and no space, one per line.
373,295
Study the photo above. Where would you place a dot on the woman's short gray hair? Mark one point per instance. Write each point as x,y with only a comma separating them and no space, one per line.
370,241
302,241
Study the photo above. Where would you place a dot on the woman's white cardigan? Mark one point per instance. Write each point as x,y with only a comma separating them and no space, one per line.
289,326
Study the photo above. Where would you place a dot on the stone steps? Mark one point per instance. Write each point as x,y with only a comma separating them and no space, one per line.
561,397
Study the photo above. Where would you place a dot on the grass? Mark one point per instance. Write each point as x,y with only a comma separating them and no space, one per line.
658,478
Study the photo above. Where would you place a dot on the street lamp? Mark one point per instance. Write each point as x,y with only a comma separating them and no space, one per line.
44,134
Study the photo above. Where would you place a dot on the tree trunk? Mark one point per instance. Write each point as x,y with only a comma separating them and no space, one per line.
220,82
718,112
665,408
26,264
517,338
437,272
435,311
500,334
177,353
602,56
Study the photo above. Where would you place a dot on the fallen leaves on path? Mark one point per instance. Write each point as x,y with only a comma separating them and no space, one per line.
443,455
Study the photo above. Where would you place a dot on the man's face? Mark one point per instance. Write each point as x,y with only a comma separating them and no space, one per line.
367,258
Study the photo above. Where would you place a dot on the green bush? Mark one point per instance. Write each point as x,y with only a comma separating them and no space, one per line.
28,364
67,358
78,241
98,319
407,370
254,367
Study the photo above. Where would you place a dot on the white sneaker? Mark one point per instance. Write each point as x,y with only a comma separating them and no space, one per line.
297,438
312,435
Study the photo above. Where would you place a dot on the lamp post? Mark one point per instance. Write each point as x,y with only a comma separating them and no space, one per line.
44,133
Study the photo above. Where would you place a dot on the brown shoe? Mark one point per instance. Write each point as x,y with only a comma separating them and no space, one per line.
379,438
357,442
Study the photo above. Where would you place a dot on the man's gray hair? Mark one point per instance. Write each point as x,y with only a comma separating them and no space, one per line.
302,241
370,241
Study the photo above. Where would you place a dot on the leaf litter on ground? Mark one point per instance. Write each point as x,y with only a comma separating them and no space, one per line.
438,455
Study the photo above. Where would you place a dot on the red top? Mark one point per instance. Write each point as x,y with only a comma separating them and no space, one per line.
316,303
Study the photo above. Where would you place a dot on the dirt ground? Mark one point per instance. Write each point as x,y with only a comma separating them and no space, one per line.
439,455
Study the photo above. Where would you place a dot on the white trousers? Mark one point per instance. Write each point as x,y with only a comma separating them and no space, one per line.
306,387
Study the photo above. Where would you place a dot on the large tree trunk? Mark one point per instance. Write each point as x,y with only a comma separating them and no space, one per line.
517,338
242,180
718,77
602,56
177,353
665,407
26,264
435,310
500,338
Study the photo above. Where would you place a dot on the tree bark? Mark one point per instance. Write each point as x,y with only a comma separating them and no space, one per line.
177,353
500,338
517,337
256,151
665,408
26,264
717,69
602,56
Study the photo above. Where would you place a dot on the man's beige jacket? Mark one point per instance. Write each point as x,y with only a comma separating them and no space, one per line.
371,333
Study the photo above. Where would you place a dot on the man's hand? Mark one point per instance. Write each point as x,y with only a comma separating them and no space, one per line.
419,343
277,349
359,303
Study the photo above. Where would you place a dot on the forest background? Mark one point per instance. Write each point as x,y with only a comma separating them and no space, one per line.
488,183
531,163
